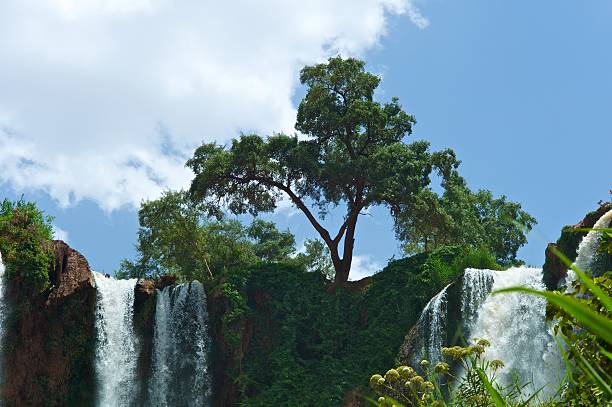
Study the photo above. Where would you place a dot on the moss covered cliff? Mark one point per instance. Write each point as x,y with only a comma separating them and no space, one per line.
49,342
282,338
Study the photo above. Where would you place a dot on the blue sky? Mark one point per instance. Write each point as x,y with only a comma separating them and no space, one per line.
520,90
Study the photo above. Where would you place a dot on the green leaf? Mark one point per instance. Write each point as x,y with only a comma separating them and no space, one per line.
533,396
497,398
591,371
597,292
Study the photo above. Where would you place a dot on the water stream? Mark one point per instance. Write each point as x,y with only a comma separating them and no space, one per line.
117,345
180,348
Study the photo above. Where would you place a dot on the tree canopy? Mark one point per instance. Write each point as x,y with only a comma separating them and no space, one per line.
176,237
351,153
460,216
25,233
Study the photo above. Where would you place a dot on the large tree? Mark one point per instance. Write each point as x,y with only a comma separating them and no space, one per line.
351,152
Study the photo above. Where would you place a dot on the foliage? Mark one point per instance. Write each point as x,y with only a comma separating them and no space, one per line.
316,258
174,238
25,233
460,216
475,384
353,154
300,337
605,245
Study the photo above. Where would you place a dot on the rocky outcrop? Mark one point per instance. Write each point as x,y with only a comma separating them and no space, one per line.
50,337
70,273
554,270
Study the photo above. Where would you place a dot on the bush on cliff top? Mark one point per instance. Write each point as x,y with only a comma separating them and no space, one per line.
303,338
25,232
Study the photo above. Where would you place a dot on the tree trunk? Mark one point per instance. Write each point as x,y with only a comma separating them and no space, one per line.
344,269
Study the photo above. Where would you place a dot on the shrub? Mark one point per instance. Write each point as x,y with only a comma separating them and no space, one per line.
25,233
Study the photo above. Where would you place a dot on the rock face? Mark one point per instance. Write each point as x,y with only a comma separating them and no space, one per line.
50,337
554,270
71,272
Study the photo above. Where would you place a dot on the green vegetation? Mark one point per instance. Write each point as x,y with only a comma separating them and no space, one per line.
353,155
25,233
302,338
176,238
460,216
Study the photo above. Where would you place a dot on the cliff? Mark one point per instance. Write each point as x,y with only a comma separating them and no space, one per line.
554,270
50,337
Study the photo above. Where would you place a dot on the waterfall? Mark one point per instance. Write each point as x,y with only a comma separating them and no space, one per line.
432,323
587,249
116,350
180,348
515,325
476,287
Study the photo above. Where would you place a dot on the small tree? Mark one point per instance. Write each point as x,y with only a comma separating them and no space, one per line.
25,233
175,238
463,217
353,154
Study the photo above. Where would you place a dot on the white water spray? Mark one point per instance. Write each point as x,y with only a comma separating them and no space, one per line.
180,348
116,350
433,323
515,325
475,290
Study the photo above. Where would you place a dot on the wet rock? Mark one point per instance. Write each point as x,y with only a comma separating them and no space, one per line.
554,270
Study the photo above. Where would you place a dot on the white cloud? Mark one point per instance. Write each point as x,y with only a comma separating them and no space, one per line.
60,234
105,99
363,266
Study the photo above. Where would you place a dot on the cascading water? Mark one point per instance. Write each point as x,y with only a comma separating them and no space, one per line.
476,286
587,249
515,325
432,324
180,348
116,350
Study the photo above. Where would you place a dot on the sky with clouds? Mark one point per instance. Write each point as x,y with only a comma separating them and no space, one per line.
101,102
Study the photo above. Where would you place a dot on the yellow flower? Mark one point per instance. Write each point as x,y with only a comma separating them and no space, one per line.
428,387
484,343
496,364
441,367
392,375
406,372
374,380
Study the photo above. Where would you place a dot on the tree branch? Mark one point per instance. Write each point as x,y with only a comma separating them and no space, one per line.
294,198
